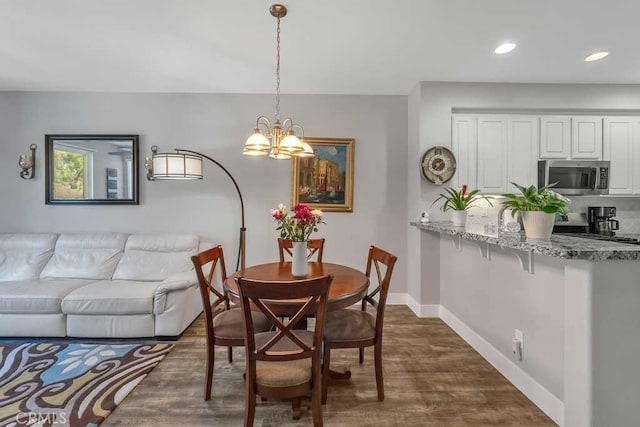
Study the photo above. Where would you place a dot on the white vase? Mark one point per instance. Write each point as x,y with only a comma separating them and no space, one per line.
299,261
538,224
459,218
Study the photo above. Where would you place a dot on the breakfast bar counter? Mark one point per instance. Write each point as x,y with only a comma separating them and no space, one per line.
576,302
559,246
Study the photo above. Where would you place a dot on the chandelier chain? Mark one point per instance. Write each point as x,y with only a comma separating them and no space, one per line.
278,139
278,72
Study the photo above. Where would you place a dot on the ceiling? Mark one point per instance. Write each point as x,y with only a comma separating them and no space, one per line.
328,46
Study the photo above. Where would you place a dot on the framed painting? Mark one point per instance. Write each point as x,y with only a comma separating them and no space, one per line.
326,180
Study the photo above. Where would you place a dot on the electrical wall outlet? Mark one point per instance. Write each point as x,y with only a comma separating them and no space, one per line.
516,348
517,344
520,337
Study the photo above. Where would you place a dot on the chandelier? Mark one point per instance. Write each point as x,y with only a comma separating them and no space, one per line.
280,140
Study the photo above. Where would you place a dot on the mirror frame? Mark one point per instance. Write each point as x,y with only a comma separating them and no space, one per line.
49,142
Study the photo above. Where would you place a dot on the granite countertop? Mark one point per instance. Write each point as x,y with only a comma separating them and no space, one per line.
559,246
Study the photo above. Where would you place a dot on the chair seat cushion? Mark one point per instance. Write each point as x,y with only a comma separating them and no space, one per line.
283,374
349,325
228,324
35,296
111,297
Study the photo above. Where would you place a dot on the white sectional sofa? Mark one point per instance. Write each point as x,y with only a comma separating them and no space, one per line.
99,285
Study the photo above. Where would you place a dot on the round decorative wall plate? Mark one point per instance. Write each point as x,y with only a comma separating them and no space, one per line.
438,165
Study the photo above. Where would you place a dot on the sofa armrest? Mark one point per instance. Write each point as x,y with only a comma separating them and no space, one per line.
177,282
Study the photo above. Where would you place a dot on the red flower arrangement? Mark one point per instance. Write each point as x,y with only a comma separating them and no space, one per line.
299,226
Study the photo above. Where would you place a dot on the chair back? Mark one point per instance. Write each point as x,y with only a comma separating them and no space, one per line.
378,257
205,264
313,294
314,246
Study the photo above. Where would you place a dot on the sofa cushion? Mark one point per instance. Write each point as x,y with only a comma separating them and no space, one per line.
111,297
85,256
24,255
35,296
156,256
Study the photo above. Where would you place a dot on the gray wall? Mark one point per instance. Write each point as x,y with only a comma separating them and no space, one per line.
216,125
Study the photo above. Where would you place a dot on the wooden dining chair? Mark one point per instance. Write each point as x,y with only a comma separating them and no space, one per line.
284,363
314,246
223,324
350,328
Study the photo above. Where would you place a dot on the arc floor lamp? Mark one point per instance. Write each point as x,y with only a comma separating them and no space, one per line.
187,165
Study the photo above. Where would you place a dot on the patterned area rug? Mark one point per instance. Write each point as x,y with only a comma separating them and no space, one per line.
70,384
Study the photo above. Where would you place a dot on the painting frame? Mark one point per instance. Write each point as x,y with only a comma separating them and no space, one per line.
306,169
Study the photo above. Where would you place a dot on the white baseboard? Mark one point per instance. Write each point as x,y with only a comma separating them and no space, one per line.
422,310
543,398
396,298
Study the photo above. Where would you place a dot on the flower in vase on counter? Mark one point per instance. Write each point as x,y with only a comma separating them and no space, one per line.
459,201
538,207
298,225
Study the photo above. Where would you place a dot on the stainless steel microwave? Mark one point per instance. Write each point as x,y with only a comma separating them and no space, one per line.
575,177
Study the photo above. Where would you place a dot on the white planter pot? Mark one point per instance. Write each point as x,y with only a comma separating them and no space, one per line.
538,224
459,218
299,261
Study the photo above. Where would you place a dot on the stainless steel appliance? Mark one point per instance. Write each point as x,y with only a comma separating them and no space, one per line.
571,223
596,224
600,220
575,178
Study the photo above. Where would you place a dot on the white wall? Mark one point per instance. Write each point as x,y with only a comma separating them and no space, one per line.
216,125
505,297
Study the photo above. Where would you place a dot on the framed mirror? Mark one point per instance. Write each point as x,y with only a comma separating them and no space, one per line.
91,169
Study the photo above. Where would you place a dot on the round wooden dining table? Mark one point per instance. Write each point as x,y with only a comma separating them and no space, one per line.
347,288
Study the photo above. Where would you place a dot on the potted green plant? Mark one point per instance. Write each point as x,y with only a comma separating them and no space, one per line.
459,201
538,207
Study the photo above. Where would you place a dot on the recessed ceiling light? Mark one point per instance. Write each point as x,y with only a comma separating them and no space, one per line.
505,48
596,56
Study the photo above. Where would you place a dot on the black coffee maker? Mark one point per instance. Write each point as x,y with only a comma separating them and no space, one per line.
600,221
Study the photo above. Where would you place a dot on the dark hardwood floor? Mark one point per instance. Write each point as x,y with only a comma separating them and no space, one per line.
432,378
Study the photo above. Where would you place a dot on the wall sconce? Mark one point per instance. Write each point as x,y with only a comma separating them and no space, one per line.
148,163
28,163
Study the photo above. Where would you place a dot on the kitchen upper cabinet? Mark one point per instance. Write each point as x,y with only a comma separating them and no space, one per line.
586,137
555,137
522,151
493,150
619,150
464,144
492,153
